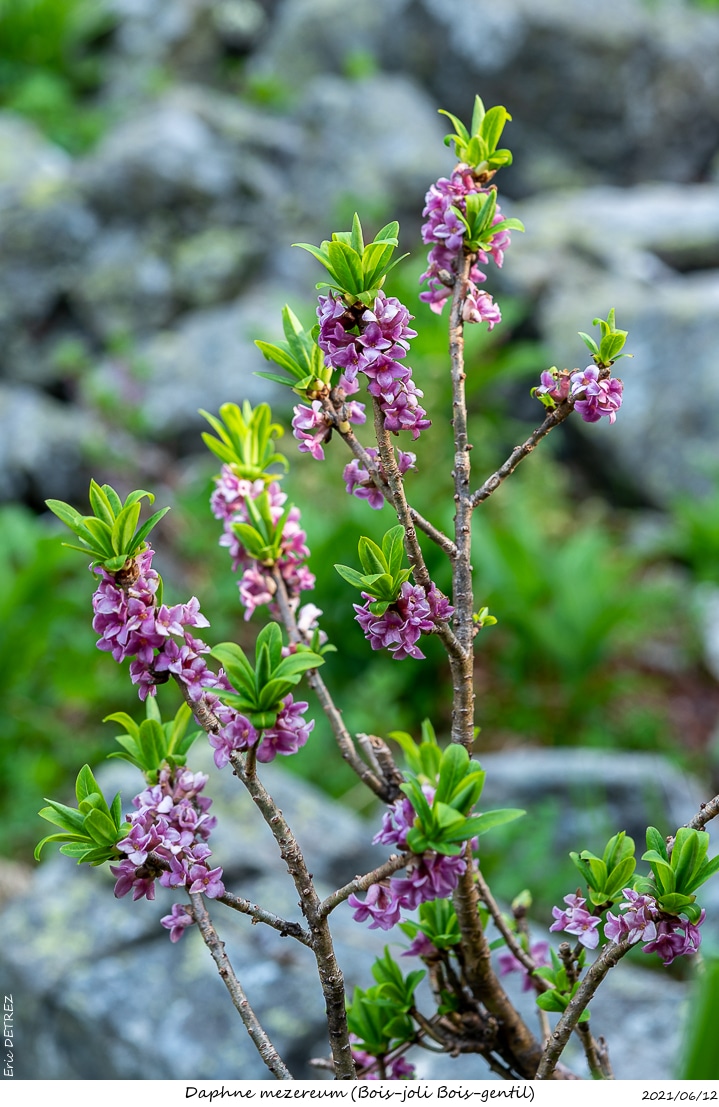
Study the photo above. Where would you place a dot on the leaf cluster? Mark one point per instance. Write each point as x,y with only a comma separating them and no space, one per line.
90,831
477,147
262,537
446,822
261,688
109,535
379,1016
608,875
357,271
153,743
478,219
245,440
438,922
611,342
383,575
674,880
299,356
558,997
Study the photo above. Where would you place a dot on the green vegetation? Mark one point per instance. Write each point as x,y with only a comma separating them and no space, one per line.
47,70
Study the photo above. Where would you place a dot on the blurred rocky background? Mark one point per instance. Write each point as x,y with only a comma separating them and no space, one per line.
156,163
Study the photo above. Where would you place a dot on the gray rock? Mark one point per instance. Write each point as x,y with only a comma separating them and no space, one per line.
125,288
207,359
163,157
41,445
27,160
618,88
373,144
211,266
45,228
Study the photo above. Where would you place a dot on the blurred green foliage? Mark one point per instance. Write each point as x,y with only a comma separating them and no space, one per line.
48,70
55,685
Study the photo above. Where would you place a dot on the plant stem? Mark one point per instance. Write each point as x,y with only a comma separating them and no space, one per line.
554,418
461,663
607,959
362,883
264,1046
330,974
433,533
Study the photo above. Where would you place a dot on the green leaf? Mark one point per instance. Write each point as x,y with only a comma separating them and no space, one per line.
690,849
488,820
85,784
371,556
292,667
552,1001
124,720
100,504
234,661
351,576
452,770
123,530
139,539
655,841
67,514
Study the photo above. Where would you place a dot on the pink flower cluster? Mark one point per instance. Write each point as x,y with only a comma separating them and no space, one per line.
289,733
359,483
312,426
375,343
576,920
429,876
415,612
171,820
592,397
229,503
445,231
130,624
642,921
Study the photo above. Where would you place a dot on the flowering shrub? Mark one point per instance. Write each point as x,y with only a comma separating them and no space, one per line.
431,888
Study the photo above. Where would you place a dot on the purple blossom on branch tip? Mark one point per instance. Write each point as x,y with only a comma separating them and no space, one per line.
676,938
170,820
593,397
577,921
396,1068
256,585
415,612
444,232
379,905
375,343
289,733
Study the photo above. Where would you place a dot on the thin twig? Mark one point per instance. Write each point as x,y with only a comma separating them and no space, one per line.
461,664
412,546
513,944
607,959
362,883
350,438
259,915
264,1046
386,791
553,419
330,975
